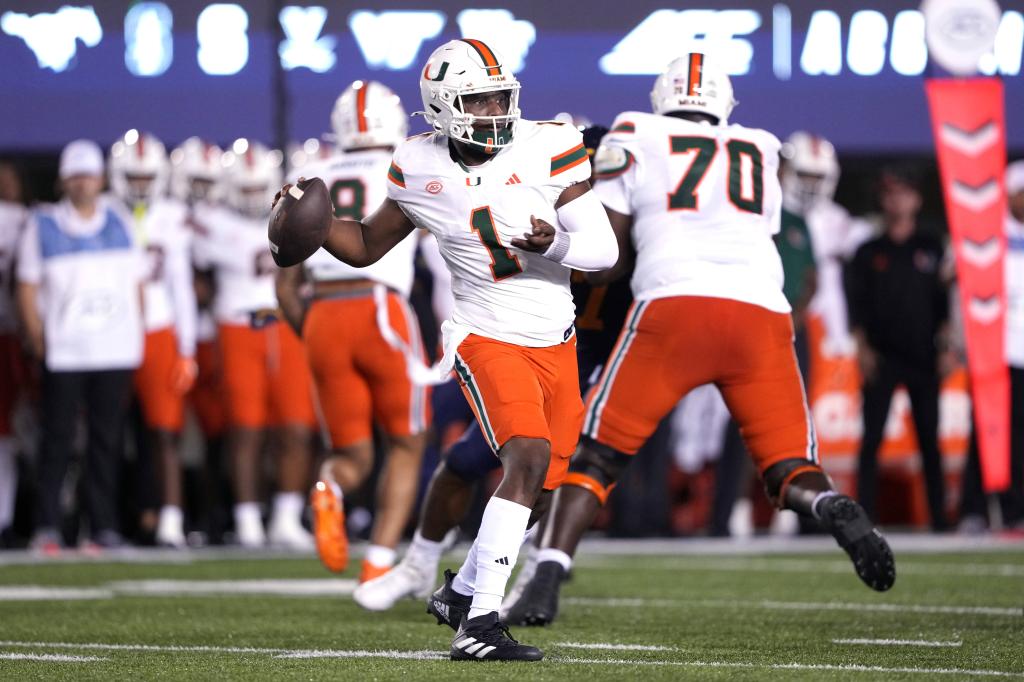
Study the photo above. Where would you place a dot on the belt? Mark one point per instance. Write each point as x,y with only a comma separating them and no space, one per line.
343,288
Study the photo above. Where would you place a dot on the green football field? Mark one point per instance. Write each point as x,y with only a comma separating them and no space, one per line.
683,610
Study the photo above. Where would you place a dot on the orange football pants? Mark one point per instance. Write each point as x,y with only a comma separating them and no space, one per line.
162,407
266,377
517,391
669,346
360,378
207,395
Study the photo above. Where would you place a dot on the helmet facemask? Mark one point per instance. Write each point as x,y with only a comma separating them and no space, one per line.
491,133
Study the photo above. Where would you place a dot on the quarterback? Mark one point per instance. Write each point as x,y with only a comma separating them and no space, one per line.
511,208
700,200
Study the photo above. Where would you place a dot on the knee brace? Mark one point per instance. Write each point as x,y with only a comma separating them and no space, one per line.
780,487
596,468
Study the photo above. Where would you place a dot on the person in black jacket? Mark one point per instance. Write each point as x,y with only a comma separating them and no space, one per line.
898,304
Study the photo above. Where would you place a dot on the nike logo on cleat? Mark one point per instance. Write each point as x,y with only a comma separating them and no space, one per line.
503,561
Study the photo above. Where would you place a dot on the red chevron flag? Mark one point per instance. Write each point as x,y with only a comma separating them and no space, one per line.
968,120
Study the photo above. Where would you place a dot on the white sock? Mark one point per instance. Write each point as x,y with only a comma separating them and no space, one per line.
497,549
465,580
8,481
379,555
817,500
288,508
425,554
172,518
557,555
248,514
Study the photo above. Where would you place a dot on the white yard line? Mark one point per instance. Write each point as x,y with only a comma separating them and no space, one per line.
318,587
899,642
43,593
359,653
437,655
608,646
1015,612
50,658
791,666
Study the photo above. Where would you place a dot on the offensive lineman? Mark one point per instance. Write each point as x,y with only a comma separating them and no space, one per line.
359,334
709,309
139,171
476,182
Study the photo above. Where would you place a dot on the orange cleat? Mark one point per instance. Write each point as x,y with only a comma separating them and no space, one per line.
371,571
329,527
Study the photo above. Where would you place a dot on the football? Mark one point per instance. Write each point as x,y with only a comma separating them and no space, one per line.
300,222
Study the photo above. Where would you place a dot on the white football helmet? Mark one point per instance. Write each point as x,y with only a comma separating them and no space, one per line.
253,177
694,83
138,168
810,171
196,171
468,67
369,114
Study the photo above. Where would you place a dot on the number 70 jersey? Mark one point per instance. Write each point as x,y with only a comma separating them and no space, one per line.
705,202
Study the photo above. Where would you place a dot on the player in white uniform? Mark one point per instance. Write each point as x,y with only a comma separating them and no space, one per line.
809,177
267,382
13,215
700,200
138,170
359,332
477,183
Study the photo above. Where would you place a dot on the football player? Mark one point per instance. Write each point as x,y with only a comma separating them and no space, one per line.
267,382
361,337
700,200
492,187
600,312
139,170
810,172
13,377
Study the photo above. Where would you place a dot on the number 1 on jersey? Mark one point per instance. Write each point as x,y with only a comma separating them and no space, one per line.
503,263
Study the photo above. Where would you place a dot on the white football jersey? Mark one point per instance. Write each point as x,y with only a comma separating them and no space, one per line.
235,247
356,183
835,236
162,231
12,223
474,212
705,202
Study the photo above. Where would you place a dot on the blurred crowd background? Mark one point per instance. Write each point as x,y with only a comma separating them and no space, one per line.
126,440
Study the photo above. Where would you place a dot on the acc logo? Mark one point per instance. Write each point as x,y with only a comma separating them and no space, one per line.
434,187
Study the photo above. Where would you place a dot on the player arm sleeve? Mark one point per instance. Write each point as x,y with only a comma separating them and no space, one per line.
184,299
588,242
30,261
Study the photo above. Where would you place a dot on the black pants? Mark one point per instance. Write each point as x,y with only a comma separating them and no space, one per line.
1012,501
103,395
922,383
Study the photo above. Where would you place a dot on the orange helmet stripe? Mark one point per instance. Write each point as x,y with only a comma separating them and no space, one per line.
361,107
696,73
486,54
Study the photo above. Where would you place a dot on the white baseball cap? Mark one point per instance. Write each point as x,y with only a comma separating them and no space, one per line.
1015,177
81,157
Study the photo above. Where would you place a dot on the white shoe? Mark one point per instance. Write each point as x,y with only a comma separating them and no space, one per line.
405,580
250,533
741,520
522,580
170,530
785,523
290,536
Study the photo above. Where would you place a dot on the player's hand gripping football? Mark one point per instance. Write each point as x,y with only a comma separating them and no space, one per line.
281,192
539,239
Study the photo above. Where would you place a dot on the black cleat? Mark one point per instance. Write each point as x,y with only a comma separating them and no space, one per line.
447,605
538,604
485,638
853,530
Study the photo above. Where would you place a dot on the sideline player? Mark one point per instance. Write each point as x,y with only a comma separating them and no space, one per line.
361,336
477,182
267,382
600,312
700,199
139,174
